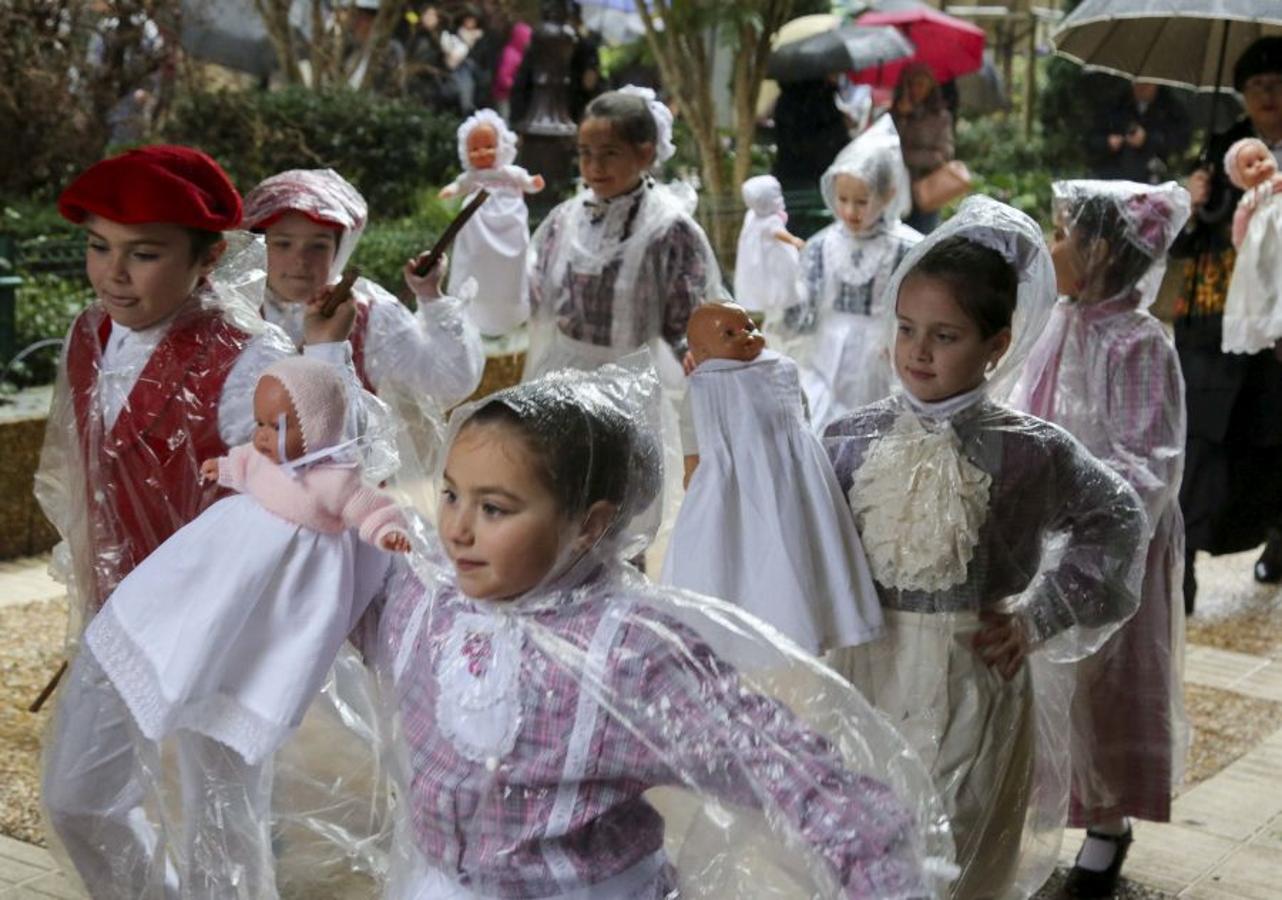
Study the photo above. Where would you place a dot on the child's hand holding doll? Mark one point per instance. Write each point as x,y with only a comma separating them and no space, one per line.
209,470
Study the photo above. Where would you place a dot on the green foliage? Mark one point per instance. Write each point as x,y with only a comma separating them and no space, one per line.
386,244
47,305
1007,166
389,149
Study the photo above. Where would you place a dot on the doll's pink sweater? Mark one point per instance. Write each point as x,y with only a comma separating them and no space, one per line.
324,498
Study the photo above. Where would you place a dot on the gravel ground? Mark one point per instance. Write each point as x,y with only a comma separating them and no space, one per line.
30,645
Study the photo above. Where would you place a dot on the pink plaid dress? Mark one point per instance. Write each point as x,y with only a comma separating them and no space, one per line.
1108,373
534,727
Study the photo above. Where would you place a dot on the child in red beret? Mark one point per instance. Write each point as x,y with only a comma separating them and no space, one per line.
157,375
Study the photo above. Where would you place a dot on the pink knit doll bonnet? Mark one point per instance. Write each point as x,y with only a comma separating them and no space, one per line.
319,397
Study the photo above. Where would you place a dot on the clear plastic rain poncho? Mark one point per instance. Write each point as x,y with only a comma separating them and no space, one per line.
207,655
1107,371
969,510
492,247
600,737
766,268
610,276
133,416
836,330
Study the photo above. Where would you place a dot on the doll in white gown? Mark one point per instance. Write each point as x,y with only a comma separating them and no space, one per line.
1253,306
491,247
764,523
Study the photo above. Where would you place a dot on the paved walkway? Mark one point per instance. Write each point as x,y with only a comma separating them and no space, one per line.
1224,843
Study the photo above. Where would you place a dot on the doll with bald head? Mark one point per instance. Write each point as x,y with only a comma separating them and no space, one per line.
764,523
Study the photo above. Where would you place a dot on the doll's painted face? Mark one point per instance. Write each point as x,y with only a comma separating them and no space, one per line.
1254,164
501,524
856,205
610,165
143,273
723,331
939,350
300,254
482,147
271,400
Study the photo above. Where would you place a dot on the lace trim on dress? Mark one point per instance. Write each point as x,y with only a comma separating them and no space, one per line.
478,705
920,505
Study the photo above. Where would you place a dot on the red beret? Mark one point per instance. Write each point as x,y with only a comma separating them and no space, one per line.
159,183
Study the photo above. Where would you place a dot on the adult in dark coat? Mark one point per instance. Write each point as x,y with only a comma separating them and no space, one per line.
1232,492
1139,135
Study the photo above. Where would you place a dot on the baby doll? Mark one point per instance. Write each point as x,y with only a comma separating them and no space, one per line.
768,257
765,524
1252,311
491,247
844,272
223,636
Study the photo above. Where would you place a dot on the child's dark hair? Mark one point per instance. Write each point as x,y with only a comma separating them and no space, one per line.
202,242
982,282
1100,216
588,451
629,115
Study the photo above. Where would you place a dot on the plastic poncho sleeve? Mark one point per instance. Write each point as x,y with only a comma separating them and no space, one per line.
683,279
764,758
434,352
1097,528
1144,420
810,278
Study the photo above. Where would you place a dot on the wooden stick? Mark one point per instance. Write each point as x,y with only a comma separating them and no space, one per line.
342,290
48,689
451,231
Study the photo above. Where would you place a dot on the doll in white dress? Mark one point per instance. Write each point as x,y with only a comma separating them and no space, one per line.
768,258
765,524
1252,309
219,640
491,247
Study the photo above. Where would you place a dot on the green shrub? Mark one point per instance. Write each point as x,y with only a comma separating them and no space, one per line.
46,307
389,149
1007,166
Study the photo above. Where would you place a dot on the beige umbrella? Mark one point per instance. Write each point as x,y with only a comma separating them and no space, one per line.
796,30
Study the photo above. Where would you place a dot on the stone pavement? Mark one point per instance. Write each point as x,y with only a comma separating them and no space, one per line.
1224,843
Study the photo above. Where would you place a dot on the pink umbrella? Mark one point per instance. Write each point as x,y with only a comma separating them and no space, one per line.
951,47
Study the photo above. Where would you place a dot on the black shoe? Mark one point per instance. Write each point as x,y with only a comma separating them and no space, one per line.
1268,568
1190,585
1087,883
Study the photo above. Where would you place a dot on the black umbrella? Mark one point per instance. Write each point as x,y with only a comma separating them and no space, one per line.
842,49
